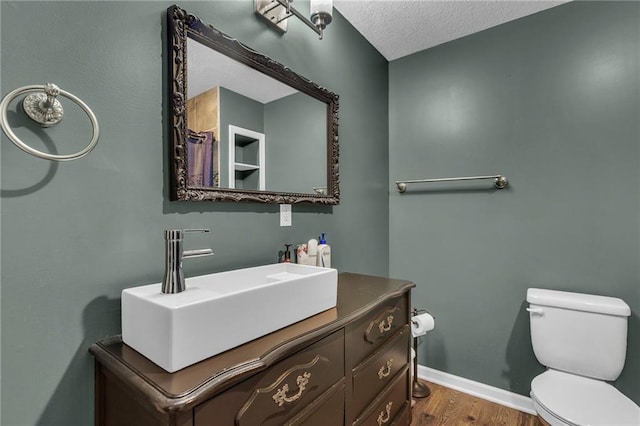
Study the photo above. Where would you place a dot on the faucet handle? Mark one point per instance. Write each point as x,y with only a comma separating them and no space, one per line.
197,230
177,234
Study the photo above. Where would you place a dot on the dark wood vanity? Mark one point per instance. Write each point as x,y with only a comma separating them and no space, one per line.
345,366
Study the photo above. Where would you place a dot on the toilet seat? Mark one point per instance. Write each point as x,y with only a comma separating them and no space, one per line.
550,418
577,400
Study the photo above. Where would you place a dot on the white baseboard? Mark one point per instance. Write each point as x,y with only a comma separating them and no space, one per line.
480,390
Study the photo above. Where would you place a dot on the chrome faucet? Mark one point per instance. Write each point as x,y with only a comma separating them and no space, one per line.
173,281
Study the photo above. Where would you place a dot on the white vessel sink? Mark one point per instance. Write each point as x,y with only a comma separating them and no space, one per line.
220,311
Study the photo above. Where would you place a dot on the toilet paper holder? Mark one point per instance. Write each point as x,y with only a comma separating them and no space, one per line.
420,390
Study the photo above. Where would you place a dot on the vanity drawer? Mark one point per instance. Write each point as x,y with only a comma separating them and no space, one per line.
276,395
372,375
327,409
389,406
404,417
372,331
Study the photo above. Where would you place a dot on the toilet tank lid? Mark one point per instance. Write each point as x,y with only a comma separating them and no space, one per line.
578,301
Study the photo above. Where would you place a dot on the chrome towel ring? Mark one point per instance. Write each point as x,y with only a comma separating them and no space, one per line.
44,109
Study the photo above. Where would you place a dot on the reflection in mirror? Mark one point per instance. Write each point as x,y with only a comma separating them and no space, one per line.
253,129
223,93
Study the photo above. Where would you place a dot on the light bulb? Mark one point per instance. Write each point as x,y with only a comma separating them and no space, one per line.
321,6
321,13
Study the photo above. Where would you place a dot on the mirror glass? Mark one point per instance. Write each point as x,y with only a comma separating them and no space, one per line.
271,136
246,128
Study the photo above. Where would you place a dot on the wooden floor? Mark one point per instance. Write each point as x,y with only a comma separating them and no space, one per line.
449,407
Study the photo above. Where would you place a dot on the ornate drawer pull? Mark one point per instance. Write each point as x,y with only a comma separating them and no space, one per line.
385,324
385,370
381,418
280,397
379,325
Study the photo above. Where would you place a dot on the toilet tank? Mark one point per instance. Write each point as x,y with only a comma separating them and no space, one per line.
579,333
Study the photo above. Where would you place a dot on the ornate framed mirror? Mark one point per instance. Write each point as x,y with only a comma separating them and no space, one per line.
244,127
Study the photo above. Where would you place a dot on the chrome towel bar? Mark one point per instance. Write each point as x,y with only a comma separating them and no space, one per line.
44,109
499,181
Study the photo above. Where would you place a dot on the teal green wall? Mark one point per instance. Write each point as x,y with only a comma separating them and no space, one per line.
293,126
552,102
295,129
75,234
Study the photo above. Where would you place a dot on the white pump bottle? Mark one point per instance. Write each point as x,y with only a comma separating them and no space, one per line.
324,253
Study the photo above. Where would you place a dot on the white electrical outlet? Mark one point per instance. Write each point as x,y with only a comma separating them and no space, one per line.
285,214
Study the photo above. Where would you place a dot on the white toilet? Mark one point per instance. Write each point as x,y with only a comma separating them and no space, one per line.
582,340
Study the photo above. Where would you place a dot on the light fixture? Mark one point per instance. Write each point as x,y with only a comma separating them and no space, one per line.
277,12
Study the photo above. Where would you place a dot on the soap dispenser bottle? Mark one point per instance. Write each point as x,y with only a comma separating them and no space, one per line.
324,253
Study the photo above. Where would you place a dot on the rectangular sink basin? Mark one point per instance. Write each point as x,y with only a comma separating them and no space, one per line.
220,311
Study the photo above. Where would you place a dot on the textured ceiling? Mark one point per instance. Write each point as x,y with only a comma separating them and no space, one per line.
397,28
207,68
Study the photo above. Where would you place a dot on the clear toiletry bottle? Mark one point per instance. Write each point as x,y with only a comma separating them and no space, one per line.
324,253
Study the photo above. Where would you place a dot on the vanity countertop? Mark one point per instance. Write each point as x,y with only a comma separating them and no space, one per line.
357,295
